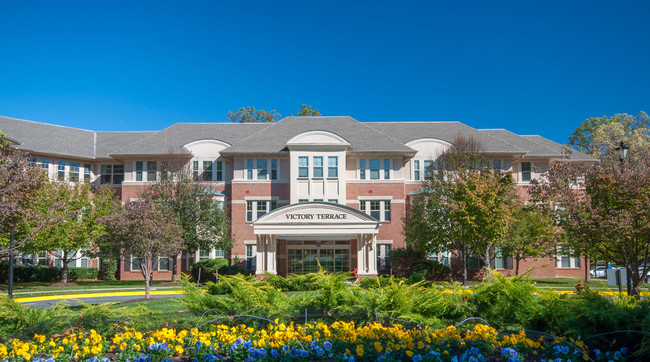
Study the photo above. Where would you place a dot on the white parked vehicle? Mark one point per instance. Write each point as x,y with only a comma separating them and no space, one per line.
599,272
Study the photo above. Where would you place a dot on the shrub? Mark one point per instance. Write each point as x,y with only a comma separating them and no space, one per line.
208,269
414,264
109,267
29,273
75,273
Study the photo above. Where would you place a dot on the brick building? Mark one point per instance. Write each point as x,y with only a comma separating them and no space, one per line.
301,191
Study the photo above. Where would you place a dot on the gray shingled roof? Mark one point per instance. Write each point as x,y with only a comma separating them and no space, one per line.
405,132
361,136
533,148
39,137
171,139
107,142
560,149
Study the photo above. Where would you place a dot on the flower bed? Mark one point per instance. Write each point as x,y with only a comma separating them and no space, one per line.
340,341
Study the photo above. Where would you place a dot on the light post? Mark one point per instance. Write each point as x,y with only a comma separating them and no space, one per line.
622,155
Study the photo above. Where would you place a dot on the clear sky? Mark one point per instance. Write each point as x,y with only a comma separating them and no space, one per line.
531,67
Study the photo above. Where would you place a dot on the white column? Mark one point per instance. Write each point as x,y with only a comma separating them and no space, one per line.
260,255
271,255
366,258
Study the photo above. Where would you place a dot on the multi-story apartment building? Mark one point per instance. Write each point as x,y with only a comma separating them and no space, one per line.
301,191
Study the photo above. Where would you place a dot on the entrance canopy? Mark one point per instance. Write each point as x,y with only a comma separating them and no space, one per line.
315,218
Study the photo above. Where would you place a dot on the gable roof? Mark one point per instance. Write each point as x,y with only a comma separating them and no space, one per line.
572,154
36,137
362,137
171,139
406,132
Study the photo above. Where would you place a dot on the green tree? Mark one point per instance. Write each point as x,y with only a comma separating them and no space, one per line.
604,211
19,185
250,114
599,136
203,221
307,111
530,235
77,210
464,207
143,230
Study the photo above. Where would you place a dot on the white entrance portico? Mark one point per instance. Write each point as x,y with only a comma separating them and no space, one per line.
296,238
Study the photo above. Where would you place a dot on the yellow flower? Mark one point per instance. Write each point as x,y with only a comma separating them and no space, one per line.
409,353
179,349
378,347
359,350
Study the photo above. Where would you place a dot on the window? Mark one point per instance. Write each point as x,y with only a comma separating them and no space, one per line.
118,174
151,171
333,201
377,169
332,166
73,174
318,166
163,264
379,209
195,170
138,170
496,164
502,260
303,166
207,171
374,168
302,201
45,165
87,172
135,263
428,169
32,161
219,170
261,169
249,169
362,169
204,254
383,257
525,171
566,259
416,169
250,257
106,175
386,169
61,171
257,209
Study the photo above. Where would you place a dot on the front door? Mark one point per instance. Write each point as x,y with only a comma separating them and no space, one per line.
305,256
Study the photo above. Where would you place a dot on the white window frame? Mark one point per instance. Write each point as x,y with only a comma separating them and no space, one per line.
365,206
252,211
562,253
365,171
112,174
252,171
529,172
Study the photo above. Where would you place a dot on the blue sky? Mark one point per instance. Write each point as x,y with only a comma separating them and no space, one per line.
530,67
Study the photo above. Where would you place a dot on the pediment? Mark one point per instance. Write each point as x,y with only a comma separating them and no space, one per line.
318,138
314,213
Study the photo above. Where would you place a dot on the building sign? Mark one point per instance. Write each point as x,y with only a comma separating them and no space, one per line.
337,216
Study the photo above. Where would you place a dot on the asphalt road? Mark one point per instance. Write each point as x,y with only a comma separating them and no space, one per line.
43,302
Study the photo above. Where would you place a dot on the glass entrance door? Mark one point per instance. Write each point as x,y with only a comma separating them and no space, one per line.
305,260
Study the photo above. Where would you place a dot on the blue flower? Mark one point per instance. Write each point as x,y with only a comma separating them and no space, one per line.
198,344
434,353
624,350
320,351
557,349
513,359
248,344
565,350
253,352
381,358
313,345
454,359
261,352
327,345
274,353
416,358
351,359
249,359
163,360
285,348
293,352
239,341
557,360
597,352
473,351
304,353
